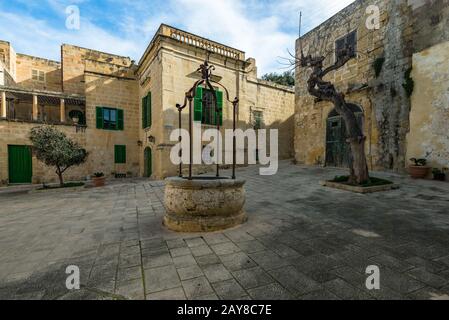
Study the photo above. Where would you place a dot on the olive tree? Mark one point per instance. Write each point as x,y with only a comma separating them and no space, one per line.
286,79
324,90
55,149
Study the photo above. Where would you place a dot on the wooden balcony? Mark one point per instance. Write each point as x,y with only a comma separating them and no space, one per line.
19,104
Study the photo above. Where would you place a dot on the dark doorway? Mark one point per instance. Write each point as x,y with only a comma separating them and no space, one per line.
148,163
337,149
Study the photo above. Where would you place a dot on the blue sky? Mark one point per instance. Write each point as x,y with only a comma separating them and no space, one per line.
264,29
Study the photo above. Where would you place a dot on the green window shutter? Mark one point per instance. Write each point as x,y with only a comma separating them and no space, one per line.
144,112
120,154
219,95
149,110
120,120
198,105
99,111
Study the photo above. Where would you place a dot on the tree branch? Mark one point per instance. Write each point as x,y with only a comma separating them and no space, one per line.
337,65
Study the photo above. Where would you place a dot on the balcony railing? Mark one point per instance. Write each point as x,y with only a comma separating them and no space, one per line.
29,106
203,43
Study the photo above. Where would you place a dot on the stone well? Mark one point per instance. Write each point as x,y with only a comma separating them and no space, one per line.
204,204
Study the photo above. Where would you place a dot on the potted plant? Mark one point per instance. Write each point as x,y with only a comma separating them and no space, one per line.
438,174
98,179
419,168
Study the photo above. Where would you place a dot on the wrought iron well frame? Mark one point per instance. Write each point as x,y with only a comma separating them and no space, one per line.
206,79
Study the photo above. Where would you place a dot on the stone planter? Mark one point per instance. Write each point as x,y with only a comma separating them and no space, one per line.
418,172
204,204
358,189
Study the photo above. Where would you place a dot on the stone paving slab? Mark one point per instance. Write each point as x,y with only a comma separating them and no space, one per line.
302,241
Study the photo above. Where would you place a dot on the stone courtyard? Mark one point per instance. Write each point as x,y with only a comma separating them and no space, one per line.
302,241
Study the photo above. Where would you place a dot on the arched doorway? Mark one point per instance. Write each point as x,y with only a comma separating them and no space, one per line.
337,149
148,162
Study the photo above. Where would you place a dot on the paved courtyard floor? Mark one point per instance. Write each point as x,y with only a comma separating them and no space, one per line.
302,241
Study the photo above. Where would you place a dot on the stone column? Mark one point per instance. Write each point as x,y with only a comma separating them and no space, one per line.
62,111
35,108
3,109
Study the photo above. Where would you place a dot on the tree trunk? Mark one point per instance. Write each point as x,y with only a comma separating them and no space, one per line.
325,91
61,179
358,165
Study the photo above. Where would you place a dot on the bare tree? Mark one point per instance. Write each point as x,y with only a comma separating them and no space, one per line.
326,91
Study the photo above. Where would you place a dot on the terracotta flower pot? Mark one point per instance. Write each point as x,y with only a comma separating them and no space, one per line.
418,172
98,181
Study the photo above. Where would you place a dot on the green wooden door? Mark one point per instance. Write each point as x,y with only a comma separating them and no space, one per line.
20,164
338,150
336,146
148,163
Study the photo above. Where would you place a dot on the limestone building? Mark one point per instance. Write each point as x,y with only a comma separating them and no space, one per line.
123,112
397,83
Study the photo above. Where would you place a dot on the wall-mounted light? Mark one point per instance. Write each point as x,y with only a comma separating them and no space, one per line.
140,143
151,139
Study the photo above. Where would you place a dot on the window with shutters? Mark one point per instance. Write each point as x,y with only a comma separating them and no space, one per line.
120,154
38,75
204,108
346,46
110,118
146,111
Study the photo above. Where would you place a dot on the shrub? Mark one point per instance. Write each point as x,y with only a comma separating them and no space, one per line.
55,149
419,162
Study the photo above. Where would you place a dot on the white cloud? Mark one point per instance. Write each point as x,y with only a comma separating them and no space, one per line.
263,29
37,37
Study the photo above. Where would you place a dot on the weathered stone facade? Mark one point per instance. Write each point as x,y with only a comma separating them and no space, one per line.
404,28
16,133
429,118
429,115
87,79
168,70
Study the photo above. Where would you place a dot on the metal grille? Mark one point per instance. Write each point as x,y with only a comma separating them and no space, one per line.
208,107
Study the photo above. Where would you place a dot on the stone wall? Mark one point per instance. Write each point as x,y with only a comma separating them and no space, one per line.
118,93
167,70
106,81
383,99
430,23
17,133
179,65
52,69
277,106
429,117
74,63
